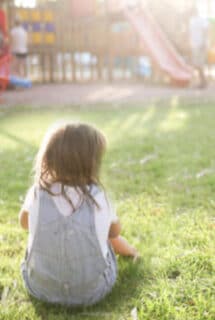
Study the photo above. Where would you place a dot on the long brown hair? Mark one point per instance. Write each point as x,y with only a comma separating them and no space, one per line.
70,154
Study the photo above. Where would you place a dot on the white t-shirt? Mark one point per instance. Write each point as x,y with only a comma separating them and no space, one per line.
104,216
197,28
19,40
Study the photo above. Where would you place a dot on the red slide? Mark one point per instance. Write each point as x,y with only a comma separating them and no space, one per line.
156,43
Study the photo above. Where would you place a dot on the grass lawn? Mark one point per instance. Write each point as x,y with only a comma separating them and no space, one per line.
159,170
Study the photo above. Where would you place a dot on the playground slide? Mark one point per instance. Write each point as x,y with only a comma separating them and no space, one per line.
156,43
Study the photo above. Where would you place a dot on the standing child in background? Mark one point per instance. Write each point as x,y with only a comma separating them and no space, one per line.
72,226
19,48
198,33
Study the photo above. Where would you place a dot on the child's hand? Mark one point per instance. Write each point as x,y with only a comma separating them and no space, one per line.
136,256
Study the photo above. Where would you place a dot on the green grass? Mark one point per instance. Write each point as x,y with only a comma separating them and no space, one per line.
155,172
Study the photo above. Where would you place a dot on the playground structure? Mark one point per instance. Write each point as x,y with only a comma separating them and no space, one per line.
90,40
6,76
99,41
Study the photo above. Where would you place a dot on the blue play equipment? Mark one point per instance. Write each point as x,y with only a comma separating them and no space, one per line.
20,82
144,67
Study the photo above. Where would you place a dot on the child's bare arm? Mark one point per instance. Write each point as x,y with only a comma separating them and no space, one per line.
115,230
120,244
23,219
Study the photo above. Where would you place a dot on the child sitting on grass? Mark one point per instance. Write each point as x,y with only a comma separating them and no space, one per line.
72,226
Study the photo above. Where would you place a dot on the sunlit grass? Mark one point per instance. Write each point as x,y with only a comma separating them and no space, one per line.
159,170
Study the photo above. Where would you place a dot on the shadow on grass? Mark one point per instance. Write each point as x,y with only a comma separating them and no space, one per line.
15,138
127,289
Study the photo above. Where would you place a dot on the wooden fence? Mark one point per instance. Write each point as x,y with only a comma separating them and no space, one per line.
64,48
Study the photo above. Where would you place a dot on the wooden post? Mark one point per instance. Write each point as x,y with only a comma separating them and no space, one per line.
51,67
81,69
63,67
124,68
43,66
73,65
110,67
99,67
110,56
91,69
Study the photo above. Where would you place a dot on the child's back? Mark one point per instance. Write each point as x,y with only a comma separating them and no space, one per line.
65,263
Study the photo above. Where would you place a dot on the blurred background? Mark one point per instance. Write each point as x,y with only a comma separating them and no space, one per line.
96,40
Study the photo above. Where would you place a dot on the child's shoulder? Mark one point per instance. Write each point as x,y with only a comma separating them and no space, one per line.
30,198
95,189
98,192
101,195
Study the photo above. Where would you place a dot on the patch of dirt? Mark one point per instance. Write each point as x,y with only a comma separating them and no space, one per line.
60,95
